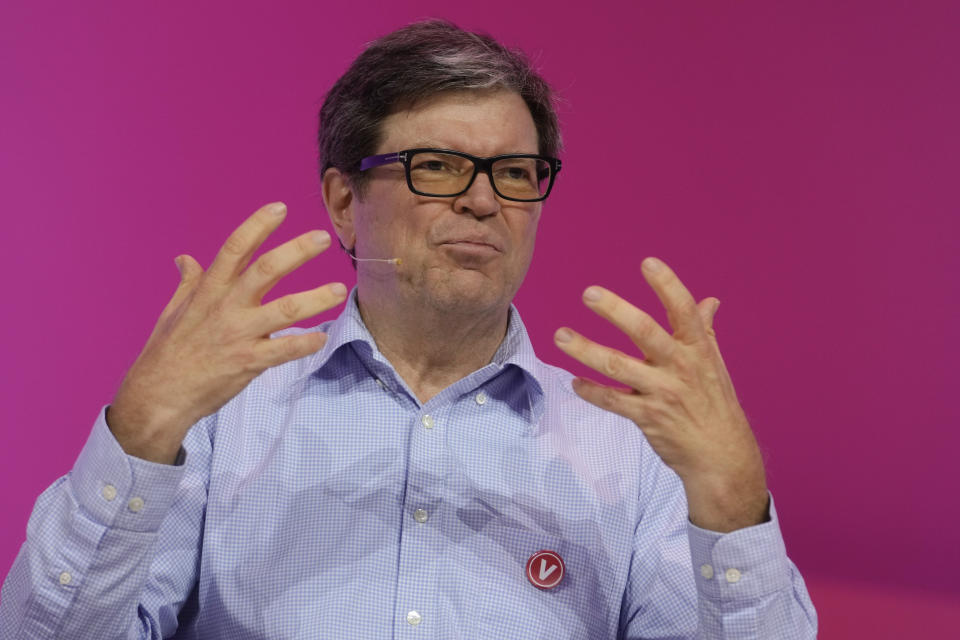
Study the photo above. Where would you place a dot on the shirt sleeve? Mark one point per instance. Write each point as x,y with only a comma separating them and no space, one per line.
688,582
112,547
747,587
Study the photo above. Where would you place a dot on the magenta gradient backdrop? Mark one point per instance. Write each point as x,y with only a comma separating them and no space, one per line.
797,160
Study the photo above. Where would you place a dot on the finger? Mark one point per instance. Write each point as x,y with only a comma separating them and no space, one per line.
269,268
644,331
283,312
240,245
624,402
276,351
676,299
612,363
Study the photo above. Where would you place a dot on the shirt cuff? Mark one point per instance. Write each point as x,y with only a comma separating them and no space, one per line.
118,490
744,564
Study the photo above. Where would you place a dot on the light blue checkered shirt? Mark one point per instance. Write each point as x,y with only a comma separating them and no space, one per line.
325,501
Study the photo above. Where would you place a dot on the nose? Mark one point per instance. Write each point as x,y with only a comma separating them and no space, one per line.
479,200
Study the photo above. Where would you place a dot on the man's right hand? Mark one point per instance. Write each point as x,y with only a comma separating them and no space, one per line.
213,337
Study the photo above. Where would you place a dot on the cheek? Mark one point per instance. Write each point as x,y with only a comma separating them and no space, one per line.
395,220
524,230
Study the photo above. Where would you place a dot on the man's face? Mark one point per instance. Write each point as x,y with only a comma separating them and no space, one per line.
467,253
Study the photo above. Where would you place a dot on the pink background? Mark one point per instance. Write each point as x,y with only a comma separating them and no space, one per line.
798,161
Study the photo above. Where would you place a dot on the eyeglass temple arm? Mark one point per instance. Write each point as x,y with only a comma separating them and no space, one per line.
375,161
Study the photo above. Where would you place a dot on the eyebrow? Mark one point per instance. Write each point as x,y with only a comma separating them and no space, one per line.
432,144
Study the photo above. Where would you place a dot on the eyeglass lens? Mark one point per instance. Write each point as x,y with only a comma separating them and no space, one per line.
445,174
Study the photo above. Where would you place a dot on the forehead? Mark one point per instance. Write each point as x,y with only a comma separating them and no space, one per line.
483,123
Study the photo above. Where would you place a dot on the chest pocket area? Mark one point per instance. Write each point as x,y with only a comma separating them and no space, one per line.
512,607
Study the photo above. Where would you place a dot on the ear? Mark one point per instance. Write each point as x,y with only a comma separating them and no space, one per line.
338,199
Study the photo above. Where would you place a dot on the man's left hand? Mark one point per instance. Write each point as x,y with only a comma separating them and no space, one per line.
680,396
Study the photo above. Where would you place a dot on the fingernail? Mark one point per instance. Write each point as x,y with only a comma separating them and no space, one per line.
716,306
320,237
338,288
278,209
179,262
652,265
563,335
592,294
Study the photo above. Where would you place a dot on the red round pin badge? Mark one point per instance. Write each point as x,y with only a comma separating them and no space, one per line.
545,569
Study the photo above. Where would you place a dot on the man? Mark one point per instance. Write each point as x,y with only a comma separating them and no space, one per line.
411,469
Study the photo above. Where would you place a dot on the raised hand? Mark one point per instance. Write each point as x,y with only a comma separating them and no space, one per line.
213,337
680,396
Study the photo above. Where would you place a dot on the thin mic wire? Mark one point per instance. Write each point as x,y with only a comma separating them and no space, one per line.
395,261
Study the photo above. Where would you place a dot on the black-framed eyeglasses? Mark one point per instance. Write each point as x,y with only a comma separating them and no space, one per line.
442,173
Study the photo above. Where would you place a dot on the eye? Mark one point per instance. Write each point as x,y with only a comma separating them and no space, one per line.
517,173
433,165
438,163
521,171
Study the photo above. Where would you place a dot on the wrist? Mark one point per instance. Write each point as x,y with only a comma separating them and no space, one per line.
147,434
725,505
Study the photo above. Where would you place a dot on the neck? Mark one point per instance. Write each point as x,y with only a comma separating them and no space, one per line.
432,348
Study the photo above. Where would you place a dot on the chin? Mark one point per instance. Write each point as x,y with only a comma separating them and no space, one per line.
467,291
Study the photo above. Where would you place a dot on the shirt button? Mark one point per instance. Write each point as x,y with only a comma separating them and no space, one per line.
420,515
733,576
109,492
427,421
65,578
481,398
706,571
380,383
135,504
414,618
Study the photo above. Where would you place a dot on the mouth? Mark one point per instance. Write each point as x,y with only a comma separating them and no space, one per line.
471,243
474,240
472,248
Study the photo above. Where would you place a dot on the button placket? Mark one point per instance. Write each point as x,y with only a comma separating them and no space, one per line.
423,498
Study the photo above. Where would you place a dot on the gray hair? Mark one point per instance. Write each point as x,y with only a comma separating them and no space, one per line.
414,63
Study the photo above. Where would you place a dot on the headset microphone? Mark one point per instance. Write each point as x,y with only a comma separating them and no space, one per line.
356,259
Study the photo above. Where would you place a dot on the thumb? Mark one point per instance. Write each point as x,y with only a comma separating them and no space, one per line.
708,311
188,267
189,270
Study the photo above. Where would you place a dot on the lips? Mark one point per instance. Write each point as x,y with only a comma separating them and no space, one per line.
474,241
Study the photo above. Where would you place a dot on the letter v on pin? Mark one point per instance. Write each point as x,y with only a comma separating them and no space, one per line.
547,576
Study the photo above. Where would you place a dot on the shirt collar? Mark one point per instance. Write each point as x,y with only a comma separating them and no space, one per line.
515,350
